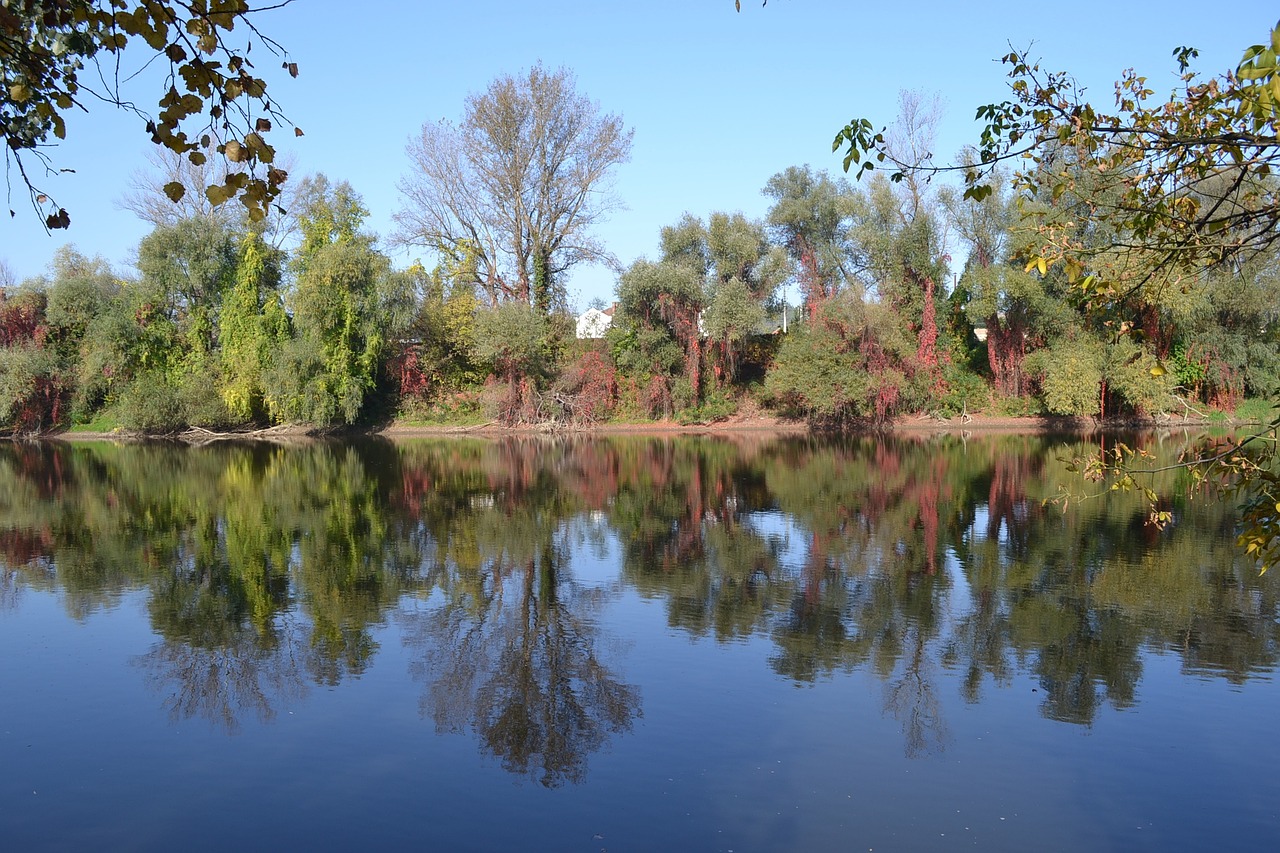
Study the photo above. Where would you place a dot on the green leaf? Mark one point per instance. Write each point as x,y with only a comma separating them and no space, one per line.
175,191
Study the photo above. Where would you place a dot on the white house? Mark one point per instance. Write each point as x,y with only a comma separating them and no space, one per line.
593,323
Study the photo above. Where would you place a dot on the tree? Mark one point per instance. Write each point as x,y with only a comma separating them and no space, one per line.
1184,186
150,194
509,339
57,56
745,271
347,305
811,217
252,326
516,186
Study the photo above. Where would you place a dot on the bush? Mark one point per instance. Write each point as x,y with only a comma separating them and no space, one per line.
150,404
717,406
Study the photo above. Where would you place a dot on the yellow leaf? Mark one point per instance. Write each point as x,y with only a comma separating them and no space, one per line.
1042,266
1158,371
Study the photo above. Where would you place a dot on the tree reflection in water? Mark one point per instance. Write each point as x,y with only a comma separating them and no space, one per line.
506,641
520,669
924,561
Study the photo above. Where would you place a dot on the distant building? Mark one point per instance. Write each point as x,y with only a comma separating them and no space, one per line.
593,323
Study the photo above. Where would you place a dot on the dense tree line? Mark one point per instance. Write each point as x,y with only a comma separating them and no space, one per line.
302,319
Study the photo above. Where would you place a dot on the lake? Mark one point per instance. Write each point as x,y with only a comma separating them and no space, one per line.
736,643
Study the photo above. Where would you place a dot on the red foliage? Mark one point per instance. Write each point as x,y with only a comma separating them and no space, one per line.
656,397
598,387
1006,349
42,408
884,392
20,320
406,370
815,290
927,347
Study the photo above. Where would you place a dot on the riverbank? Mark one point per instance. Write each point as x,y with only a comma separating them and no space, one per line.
757,422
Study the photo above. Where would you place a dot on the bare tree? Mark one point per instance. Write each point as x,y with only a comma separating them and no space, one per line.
148,197
511,193
7,278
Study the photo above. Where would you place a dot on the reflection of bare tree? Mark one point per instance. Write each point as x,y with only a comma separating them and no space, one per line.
514,659
246,675
10,589
913,701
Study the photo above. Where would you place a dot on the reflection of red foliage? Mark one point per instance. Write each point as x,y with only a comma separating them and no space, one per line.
1007,499
415,485
594,473
21,547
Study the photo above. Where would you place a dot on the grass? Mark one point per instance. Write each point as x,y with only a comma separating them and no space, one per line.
1256,410
101,422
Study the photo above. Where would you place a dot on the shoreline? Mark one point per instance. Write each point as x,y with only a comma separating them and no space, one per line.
752,424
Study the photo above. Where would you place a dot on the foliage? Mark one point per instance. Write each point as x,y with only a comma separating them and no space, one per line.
1071,375
510,339
252,325
811,217
150,404
852,364
588,388
347,305
30,388
61,56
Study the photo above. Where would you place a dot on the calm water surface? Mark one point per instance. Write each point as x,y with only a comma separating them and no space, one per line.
737,644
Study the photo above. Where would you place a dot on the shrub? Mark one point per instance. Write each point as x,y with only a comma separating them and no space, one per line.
150,404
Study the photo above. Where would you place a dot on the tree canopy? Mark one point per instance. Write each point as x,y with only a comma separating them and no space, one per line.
59,56
513,190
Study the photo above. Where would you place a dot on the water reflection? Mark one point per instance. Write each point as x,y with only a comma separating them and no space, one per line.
927,562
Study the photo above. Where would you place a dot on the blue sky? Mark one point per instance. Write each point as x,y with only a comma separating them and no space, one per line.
719,101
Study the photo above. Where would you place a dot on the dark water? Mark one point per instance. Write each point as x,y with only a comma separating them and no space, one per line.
633,644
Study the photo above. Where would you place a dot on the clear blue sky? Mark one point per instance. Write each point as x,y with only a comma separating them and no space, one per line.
719,100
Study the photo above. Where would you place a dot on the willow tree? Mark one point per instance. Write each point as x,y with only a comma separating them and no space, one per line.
811,216
516,186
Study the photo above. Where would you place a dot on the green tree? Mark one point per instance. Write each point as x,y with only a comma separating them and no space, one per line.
811,216
347,306
252,327
745,271
510,339
655,336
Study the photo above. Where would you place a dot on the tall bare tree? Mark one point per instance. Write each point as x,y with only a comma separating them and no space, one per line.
513,190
